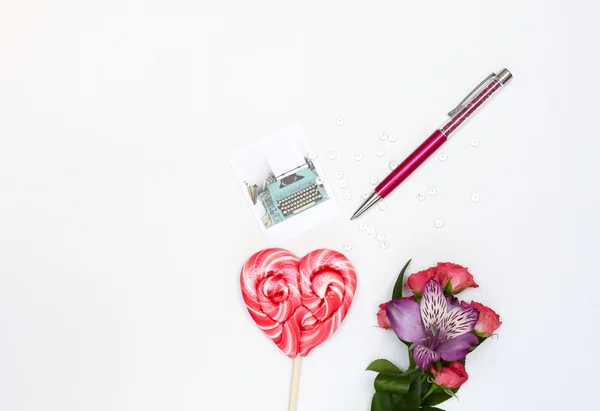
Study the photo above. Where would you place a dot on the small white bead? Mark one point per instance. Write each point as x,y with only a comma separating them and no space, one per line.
348,247
339,175
348,196
370,230
383,136
373,180
385,244
432,191
382,206
332,155
475,197
392,138
358,156
421,196
343,183
339,121
442,157
393,165
438,223
380,152
362,226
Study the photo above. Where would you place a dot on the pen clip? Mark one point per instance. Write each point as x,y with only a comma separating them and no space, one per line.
461,104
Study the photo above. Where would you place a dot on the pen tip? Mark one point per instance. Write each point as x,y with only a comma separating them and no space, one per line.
373,198
356,214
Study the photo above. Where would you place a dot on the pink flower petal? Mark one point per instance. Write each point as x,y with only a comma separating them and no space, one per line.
452,376
416,282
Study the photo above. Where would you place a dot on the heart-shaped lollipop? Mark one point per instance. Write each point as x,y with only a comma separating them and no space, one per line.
298,303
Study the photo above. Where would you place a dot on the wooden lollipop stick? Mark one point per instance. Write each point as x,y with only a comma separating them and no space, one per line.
295,381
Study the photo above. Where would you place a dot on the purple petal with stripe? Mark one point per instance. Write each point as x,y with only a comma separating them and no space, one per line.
433,306
405,319
452,302
457,348
424,356
459,321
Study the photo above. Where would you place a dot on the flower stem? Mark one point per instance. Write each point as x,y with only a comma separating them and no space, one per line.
432,389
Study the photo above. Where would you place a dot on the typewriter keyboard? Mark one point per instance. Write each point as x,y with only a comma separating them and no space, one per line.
299,201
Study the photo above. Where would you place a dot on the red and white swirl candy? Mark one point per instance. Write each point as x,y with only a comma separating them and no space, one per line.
298,303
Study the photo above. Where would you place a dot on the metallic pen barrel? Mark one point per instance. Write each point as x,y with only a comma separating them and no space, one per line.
369,202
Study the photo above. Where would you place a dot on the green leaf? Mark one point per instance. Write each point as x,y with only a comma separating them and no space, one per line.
448,288
385,401
411,370
389,401
449,392
397,293
430,409
384,366
425,386
397,384
436,397
412,399
411,361
404,407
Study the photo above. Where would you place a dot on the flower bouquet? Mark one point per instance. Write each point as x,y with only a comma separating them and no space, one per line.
439,330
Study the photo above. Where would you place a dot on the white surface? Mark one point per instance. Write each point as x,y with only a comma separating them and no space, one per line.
122,228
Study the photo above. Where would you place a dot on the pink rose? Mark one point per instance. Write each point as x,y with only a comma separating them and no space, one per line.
488,322
459,277
382,318
416,282
452,376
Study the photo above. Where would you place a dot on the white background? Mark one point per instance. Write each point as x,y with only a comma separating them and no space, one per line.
122,228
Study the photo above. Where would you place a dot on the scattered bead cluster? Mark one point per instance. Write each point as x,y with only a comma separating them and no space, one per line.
380,237
374,180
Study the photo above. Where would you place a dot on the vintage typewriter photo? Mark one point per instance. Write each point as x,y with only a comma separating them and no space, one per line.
282,179
293,193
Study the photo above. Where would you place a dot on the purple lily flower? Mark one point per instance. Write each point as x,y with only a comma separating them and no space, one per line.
439,327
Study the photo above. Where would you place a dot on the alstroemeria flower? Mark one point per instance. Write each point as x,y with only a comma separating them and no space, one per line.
439,327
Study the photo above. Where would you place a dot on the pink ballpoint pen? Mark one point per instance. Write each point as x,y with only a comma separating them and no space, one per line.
463,111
